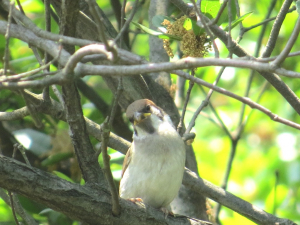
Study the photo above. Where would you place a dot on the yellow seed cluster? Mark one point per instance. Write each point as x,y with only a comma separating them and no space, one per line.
168,48
191,45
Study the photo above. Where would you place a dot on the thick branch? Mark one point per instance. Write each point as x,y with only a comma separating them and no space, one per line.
86,204
81,203
227,199
190,179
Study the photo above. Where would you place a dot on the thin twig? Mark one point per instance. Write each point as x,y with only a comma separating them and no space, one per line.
22,150
215,20
216,114
267,20
31,72
123,14
48,27
10,194
234,142
106,127
252,104
106,167
13,207
18,207
284,53
257,50
7,38
120,89
188,94
234,139
126,25
228,45
100,27
203,104
46,91
238,13
20,7
274,57
276,28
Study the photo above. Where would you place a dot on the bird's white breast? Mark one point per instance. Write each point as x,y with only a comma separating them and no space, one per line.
156,168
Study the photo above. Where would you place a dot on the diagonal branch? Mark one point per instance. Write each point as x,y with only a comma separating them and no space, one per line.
227,199
274,80
86,204
276,28
190,179
78,202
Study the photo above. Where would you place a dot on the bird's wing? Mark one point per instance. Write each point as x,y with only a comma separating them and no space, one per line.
127,160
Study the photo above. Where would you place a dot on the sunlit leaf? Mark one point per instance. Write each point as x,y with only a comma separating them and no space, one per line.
156,33
63,176
191,24
146,29
210,8
224,16
53,159
237,21
188,24
169,37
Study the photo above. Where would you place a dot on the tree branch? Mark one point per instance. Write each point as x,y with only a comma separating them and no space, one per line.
275,81
78,202
276,28
227,199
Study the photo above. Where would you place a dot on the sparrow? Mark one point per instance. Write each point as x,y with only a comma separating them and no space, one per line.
154,164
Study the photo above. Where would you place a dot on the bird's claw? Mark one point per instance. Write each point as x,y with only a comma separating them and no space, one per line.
135,200
166,212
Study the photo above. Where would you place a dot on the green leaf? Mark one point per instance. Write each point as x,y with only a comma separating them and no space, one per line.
158,19
30,205
210,8
53,159
197,30
188,24
191,24
169,37
63,176
224,15
146,29
237,21
156,33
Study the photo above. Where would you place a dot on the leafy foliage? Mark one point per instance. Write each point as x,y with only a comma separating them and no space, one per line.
266,167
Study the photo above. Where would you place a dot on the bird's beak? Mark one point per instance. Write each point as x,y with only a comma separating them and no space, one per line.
138,117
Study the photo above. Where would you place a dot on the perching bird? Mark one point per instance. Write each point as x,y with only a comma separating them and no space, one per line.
154,164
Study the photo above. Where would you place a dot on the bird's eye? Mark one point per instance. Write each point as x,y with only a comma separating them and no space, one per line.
148,107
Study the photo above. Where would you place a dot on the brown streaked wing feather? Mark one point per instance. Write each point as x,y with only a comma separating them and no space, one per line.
126,161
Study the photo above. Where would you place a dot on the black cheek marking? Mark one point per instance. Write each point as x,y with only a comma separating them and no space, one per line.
147,126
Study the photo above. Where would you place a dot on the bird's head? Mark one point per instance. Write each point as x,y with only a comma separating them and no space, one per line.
146,117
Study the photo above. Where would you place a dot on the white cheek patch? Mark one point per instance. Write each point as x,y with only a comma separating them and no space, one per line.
155,111
168,120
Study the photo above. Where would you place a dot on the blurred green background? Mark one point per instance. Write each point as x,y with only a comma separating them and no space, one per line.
266,167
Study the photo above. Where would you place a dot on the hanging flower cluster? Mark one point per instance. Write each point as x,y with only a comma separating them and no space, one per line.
191,45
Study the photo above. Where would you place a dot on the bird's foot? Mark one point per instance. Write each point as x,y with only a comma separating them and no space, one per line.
135,200
166,212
